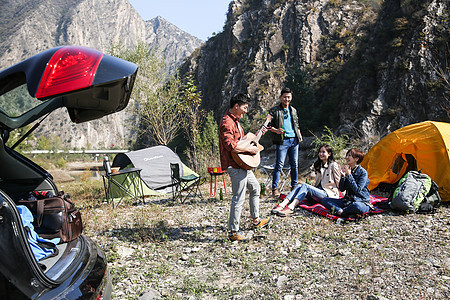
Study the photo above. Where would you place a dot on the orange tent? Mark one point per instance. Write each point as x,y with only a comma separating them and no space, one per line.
423,146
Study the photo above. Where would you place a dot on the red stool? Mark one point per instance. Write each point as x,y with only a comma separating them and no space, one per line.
214,172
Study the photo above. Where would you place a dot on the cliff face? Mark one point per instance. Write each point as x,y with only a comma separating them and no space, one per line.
363,67
34,26
29,27
174,44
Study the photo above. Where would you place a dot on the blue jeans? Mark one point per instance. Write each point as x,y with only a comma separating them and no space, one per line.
290,148
355,208
301,191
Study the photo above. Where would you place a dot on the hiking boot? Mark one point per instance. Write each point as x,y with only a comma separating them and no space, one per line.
238,236
275,193
285,212
262,223
276,209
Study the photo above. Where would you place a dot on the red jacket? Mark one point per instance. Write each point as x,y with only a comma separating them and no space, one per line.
230,132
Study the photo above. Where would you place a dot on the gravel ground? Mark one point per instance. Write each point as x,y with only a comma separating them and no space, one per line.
181,251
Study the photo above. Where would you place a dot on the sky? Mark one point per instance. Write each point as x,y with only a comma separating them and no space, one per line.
200,18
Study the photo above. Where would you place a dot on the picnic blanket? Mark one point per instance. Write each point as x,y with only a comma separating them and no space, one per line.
380,204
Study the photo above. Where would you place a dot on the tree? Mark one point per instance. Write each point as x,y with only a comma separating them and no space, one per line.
157,96
338,143
161,112
207,145
193,117
210,136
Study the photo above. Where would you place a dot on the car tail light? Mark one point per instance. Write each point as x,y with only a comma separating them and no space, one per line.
69,69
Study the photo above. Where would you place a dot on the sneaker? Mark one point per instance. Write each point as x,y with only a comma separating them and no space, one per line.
262,223
285,212
275,193
238,236
276,209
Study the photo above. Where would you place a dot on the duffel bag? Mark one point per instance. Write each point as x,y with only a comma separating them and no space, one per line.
55,217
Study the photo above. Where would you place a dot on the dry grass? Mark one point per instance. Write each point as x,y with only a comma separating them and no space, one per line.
182,251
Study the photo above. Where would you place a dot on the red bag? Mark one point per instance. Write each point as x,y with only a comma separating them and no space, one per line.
55,217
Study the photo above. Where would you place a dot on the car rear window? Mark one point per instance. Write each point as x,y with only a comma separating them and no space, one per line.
17,101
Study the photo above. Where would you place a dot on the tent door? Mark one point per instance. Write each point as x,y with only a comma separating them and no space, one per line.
404,163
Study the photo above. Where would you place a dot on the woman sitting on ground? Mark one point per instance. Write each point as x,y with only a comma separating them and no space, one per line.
328,174
355,183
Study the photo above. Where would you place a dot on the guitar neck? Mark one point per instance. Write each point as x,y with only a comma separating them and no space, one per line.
259,133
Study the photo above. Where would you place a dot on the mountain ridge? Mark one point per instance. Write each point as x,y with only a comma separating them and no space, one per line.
364,68
30,27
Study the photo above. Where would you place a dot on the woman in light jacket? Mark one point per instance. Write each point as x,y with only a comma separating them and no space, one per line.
328,174
354,183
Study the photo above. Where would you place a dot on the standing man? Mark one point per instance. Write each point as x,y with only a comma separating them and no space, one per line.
230,133
286,135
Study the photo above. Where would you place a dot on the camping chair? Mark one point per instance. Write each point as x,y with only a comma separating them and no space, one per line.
189,183
123,183
284,175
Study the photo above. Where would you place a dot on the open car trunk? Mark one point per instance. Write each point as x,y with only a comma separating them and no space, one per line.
90,85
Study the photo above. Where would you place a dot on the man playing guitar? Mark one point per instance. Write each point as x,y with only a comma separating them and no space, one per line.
230,133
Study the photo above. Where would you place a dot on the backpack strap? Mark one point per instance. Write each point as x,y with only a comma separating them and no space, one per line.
39,212
431,201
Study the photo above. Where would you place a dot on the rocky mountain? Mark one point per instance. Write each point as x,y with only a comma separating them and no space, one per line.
174,44
361,67
31,26
364,67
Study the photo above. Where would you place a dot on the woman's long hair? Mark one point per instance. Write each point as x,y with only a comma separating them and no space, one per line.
318,163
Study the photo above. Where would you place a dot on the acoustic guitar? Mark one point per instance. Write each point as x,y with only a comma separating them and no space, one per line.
247,160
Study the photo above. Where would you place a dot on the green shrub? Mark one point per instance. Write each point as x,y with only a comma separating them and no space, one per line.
338,143
60,163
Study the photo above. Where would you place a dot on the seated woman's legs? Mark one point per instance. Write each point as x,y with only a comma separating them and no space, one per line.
291,195
317,194
286,200
307,190
299,192
335,206
356,208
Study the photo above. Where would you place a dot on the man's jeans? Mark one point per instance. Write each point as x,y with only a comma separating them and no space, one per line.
289,147
241,180
301,191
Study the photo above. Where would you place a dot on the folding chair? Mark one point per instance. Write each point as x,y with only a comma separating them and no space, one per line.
190,184
124,183
284,175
